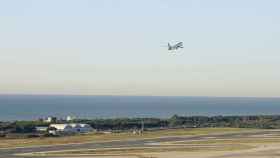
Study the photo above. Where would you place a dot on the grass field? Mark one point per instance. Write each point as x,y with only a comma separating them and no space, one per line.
142,150
238,141
97,137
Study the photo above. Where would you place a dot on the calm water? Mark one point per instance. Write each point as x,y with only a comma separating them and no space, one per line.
23,107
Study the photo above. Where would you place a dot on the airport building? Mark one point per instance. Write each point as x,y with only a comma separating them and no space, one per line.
70,128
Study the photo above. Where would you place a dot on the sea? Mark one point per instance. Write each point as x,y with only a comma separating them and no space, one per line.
31,107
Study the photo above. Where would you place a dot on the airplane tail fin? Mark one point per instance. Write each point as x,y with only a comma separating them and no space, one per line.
169,46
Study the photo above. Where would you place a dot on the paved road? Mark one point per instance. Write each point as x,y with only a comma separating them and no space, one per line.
9,153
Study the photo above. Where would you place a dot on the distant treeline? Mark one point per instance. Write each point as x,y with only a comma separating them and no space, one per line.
258,121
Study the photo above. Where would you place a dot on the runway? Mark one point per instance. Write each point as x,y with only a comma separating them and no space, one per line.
10,153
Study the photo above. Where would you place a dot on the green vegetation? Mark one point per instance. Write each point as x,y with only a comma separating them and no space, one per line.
21,126
261,121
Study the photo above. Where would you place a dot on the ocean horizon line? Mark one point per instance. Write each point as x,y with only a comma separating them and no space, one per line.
101,95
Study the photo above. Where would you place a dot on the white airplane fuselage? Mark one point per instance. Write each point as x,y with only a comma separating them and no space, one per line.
176,46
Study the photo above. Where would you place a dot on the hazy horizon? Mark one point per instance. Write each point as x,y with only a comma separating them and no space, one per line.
96,95
115,47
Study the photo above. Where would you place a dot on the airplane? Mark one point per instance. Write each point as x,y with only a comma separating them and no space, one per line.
176,46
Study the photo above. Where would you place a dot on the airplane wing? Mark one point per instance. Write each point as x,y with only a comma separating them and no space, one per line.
180,44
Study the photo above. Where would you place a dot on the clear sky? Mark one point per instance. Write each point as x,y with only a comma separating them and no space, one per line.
115,47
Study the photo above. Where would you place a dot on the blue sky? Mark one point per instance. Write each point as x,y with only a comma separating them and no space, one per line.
115,47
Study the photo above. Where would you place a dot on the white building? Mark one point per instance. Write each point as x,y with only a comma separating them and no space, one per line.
72,128
66,128
50,119
82,128
70,118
